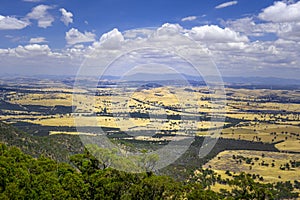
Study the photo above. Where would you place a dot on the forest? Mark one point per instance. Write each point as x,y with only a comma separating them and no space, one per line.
85,177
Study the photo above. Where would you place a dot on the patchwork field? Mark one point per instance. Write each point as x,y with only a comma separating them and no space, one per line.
154,113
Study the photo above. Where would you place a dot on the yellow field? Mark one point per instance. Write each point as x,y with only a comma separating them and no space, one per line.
155,101
69,133
44,99
224,161
289,145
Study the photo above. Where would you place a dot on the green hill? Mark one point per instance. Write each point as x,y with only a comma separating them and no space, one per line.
58,147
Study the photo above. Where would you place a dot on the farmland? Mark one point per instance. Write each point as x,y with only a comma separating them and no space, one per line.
252,122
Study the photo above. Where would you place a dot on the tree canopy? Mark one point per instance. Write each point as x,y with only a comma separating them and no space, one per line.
25,177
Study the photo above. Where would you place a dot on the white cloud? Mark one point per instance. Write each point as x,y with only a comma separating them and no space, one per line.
215,34
137,33
283,30
66,17
284,18
168,34
244,25
11,23
37,59
227,4
41,14
249,27
281,12
39,49
258,59
112,39
290,31
169,29
73,36
189,18
28,51
37,40
232,51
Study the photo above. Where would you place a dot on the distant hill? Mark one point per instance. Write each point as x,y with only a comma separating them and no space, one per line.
228,80
261,80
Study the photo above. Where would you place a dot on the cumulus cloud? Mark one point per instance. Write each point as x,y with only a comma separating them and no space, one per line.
137,33
281,12
232,51
112,39
290,32
27,51
37,59
249,27
37,40
226,4
168,29
11,23
73,36
281,19
35,49
41,14
66,17
168,34
215,34
285,17
189,18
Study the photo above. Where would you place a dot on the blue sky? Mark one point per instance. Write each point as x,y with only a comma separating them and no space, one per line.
34,31
104,15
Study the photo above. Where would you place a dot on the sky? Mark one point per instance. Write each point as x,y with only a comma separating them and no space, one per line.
57,37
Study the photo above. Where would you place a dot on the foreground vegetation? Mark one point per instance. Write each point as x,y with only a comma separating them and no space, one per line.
25,177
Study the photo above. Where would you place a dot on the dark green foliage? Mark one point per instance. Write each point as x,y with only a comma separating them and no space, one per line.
25,177
244,187
198,193
57,147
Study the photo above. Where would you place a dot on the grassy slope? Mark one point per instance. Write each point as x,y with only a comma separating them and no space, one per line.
57,146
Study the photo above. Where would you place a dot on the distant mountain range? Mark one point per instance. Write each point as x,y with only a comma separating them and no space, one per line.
227,80
261,80
169,77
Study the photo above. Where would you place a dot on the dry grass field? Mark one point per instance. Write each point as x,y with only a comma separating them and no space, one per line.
44,99
266,164
168,101
289,145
